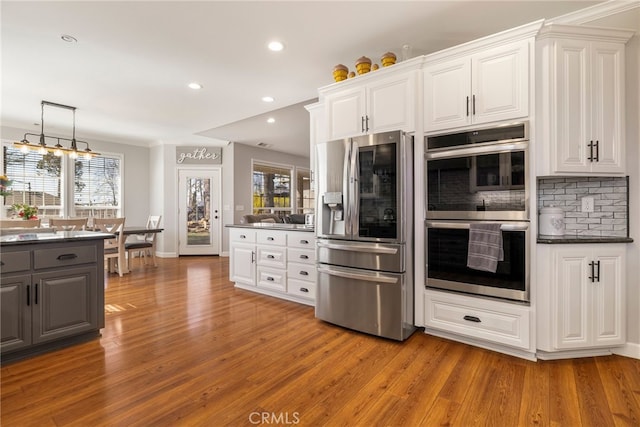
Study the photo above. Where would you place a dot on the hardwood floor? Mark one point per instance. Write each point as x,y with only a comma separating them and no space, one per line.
183,347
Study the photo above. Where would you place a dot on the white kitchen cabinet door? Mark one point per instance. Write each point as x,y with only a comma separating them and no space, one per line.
345,113
447,94
581,101
589,308
242,266
500,83
607,106
391,104
377,106
489,86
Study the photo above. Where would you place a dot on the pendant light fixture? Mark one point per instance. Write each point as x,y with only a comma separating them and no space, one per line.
58,149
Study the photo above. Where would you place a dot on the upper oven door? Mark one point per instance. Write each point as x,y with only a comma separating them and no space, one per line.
484,182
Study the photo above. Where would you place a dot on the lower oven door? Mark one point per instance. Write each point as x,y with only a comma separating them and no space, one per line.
367,301
447,248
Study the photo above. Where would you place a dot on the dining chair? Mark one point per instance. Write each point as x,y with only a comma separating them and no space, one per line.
113,248
68,224
19,223
144,244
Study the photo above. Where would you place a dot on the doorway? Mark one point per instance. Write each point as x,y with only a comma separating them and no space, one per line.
199,215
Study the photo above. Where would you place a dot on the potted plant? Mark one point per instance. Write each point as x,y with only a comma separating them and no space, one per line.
25,212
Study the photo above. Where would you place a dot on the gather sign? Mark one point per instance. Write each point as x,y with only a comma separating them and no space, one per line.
199,155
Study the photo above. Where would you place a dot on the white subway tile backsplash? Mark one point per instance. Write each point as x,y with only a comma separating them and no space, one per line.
611,206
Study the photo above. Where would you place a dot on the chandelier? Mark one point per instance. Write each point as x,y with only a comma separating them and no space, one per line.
58,149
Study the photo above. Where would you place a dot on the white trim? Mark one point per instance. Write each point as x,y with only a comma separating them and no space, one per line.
592,13
573,354
629,350
482,344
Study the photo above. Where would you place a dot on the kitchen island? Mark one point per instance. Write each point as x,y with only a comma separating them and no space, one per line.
274,259
51,290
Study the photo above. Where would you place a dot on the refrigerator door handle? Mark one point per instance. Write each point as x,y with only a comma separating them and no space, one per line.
377,277
348,185
354,201
373,248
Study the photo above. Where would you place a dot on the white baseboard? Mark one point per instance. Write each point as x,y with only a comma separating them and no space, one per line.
166,255
630,349
482,344
225,254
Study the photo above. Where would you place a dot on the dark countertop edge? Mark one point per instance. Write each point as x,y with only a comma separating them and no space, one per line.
582,239
273,226
57,237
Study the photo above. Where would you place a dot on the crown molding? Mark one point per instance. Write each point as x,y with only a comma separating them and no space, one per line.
595,12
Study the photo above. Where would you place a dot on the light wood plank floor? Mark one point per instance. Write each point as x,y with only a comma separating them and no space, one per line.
183,347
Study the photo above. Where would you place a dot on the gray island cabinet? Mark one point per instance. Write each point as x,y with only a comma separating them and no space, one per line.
51,291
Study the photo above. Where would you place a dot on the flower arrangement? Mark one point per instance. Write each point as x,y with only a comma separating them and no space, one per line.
5,183
25,211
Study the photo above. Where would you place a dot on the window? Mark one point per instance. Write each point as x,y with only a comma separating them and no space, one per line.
36,180
97,187
305,198
93,185
272,189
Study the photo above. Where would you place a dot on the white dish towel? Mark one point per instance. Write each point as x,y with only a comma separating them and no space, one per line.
485,246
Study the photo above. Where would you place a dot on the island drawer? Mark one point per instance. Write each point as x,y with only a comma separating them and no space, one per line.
272,237
15,261
65,256
301,239
307,256
242,235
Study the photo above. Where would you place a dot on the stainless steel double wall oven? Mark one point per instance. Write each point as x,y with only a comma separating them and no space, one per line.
475,176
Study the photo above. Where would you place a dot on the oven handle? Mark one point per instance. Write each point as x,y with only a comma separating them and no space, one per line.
373,248
517,226
375,277
490,148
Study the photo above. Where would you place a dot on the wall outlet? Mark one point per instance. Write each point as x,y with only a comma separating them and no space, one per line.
587,204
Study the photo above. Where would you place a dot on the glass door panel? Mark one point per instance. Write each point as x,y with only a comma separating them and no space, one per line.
378,191
199,212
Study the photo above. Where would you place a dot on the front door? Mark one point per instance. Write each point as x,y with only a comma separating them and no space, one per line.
199,215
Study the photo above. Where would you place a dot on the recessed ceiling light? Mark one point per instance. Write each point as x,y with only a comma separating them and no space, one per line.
69,39
271,120
268,98
276,46
195,85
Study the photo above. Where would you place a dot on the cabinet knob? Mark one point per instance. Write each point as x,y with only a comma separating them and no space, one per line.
304,290
304,242
270,279
270,238
304,273
304,257
270,256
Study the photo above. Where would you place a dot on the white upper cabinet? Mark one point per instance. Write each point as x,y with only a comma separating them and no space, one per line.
487,86
580,100
380,101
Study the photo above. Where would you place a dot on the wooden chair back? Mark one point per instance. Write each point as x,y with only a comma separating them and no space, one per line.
19,223
67,224
113,248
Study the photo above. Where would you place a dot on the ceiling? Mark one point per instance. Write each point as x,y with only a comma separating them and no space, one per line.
127,74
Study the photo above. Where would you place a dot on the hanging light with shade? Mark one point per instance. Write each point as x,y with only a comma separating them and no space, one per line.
58,149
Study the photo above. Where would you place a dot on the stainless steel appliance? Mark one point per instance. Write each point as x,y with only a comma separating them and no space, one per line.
447,246
364,225
477,176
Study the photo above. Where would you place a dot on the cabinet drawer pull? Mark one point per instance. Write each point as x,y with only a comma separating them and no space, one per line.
590,145
597,152
270,279
304,273
270,238
304,256
467,106
473,105
270,256
304,290
36,293
65,257
242,236
28,295
362,124
472,319
304,242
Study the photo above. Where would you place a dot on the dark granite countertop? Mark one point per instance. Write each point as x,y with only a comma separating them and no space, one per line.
273,226
27,238
582,239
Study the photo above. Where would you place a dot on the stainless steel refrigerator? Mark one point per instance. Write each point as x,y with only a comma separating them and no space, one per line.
364,227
